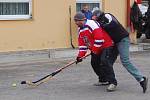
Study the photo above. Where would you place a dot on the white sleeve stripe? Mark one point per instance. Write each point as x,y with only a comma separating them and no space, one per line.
82,46
99,40
97,45
82,50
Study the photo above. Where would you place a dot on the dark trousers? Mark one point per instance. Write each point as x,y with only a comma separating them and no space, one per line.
103,64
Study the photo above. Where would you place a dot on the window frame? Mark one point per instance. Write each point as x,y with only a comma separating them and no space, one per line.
88,1
18,17
91,1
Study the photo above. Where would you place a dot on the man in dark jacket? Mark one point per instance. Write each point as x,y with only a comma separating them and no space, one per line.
136,22
121,39
136,16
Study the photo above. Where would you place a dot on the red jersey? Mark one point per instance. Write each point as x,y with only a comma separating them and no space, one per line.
92,37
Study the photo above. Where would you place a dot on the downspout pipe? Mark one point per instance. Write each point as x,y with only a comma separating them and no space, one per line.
128,13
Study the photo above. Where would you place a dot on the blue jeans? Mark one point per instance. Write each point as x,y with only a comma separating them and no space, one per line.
123,49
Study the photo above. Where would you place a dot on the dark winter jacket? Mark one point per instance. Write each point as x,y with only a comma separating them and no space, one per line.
113,27
136,16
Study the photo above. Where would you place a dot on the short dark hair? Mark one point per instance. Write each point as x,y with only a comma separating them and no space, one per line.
79,16
97,13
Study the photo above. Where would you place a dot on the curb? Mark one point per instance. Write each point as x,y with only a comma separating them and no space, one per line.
47,55
32,56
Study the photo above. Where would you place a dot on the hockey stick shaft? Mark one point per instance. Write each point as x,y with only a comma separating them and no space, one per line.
60,69
55,72
47,77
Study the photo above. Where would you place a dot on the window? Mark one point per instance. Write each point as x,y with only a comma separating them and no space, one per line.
93,4
15,9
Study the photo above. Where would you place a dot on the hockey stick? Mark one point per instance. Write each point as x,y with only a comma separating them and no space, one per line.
49,76
70,30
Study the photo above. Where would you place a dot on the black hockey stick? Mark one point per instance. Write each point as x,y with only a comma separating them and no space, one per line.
49,76
70,28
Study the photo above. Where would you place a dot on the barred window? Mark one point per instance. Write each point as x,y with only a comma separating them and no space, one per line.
15,9
93,4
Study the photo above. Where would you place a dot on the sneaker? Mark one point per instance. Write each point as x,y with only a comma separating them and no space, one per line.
101,83
144,84
111,88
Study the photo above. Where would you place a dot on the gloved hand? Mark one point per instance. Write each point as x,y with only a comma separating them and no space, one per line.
78,59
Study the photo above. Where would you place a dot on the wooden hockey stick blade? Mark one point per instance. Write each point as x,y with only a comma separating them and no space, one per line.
72,45
28,83
40,81
34,84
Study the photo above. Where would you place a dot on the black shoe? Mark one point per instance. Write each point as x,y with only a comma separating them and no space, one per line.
144,84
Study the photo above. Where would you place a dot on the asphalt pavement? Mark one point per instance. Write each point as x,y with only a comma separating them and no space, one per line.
73,83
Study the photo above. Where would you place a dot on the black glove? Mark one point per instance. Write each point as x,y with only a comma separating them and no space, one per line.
78,59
